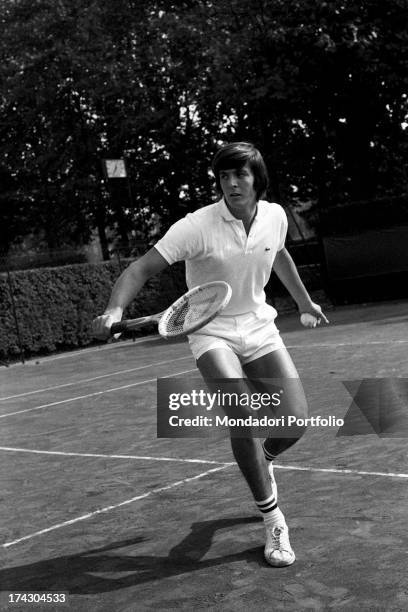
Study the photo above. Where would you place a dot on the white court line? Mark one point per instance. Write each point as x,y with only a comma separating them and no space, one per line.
341,471
289,346
103,347
225,463
184,481
336,344
86,380
84,517
96,393
104,456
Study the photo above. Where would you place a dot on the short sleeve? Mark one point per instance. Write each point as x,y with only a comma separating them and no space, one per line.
181,242
283,230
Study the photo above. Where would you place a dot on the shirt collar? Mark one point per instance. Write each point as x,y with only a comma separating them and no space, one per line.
225,211
227,214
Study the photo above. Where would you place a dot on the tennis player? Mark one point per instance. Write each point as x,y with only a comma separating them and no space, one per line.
239,239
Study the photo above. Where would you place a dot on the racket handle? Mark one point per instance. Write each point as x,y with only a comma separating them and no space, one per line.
131,324
118,328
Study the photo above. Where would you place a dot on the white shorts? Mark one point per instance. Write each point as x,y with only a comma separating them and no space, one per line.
249,336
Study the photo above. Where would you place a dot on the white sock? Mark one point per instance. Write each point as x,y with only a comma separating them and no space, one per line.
274,518
272,515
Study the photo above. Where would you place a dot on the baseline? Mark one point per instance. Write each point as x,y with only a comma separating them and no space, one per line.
220,467
104,456
278,466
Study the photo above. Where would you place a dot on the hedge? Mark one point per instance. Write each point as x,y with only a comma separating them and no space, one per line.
55,306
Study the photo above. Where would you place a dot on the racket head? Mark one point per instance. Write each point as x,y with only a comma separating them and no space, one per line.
195,309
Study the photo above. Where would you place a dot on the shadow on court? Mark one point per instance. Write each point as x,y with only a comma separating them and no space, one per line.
79,433
76,573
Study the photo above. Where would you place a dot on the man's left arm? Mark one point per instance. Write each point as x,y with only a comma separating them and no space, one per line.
286,270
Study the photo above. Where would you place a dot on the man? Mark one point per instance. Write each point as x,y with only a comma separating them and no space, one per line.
239,239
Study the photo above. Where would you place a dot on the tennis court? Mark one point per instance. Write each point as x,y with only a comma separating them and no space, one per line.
95,506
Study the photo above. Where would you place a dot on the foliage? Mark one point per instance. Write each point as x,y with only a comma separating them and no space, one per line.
321,87
55,306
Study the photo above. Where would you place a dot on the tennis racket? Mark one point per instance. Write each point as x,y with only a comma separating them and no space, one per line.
189,313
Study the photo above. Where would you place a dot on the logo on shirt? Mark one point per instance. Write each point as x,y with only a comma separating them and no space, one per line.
267,248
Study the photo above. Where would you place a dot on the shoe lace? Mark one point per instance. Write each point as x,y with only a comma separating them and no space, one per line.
278,539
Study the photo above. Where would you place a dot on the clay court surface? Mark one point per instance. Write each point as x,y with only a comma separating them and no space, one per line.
95,506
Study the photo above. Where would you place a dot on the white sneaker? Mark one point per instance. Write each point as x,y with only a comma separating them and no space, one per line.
273,481
278,551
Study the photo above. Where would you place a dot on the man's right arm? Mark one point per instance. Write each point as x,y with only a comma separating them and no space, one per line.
126,289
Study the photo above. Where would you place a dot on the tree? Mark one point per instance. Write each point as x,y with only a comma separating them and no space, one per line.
321,87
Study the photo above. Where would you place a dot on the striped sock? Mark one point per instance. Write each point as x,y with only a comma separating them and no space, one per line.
268,455
267,505
272,515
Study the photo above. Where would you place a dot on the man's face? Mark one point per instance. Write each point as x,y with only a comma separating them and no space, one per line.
237,186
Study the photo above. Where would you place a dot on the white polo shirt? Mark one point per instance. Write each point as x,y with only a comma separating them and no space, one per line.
215,246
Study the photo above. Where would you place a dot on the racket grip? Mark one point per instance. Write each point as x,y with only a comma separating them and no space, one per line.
131,324
118,328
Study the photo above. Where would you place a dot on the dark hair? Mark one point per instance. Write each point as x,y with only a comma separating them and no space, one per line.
236,155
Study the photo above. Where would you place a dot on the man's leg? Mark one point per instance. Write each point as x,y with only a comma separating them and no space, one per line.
223,364
275,367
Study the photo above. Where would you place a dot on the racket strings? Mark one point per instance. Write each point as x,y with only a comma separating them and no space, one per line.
196,309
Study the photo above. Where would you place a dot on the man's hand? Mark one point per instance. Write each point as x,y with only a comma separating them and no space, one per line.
312,315
102,324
